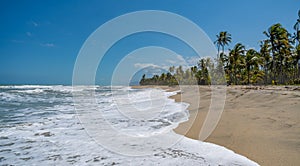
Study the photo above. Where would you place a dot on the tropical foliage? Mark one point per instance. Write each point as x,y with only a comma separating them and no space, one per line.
276,62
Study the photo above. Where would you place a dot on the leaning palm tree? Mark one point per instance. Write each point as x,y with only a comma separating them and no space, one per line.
280,48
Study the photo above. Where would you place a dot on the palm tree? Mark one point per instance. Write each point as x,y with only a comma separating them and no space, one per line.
249,60
296,60
236,60
277,59
194,71
296,27
203,74
252,62
218,42
271,35
162,78
223,39
179,74
155,78
142,82
296,39
267,61
280,48
172,69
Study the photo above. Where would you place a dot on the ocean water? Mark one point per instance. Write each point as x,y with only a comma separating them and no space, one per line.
98,125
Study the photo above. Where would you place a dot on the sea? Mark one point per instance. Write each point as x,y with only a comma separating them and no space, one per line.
99,125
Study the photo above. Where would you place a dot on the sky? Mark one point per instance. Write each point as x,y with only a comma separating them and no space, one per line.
41,40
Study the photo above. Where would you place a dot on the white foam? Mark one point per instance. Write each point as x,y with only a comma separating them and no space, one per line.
24,86
59,139
37,90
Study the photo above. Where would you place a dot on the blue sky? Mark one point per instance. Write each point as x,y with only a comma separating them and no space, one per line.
40,40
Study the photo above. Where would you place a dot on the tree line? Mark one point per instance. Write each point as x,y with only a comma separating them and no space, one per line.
276,62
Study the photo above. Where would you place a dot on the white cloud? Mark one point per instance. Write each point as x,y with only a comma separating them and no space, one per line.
29,34
144,65
192,60
153,71
226,52
247,46
35,24
180,58
177,61
17,41
152,66
47,45
165,63
171,61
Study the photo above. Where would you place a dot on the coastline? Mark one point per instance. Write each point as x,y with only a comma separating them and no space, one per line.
49,133
259,122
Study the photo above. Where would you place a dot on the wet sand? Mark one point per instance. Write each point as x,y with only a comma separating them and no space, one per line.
261,123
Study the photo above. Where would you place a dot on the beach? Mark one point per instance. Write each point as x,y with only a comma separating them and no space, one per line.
261,123
65,125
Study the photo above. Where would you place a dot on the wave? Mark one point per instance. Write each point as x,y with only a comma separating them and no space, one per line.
45,128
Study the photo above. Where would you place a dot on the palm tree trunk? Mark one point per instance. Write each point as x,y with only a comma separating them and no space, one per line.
235,78
266,75
223,49
218,52
248,70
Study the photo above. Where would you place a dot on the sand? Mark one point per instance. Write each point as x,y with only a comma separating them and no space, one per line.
261,123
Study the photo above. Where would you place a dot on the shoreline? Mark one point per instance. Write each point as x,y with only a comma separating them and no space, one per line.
259,122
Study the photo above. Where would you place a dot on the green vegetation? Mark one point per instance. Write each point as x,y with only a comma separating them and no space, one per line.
276,62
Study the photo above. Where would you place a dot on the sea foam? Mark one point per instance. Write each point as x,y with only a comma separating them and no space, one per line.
46,125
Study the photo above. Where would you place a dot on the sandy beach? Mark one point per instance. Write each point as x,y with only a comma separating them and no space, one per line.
261,123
